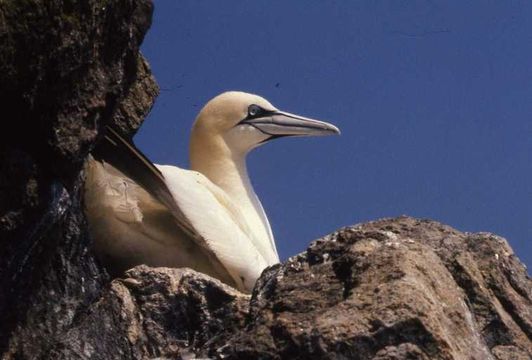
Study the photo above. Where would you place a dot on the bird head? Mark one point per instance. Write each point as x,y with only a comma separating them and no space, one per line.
244,121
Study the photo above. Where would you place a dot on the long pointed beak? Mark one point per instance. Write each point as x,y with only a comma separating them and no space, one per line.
280,123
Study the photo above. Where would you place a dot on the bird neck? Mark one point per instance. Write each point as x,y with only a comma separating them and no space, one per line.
228,170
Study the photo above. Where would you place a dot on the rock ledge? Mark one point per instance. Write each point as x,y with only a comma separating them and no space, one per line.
391,289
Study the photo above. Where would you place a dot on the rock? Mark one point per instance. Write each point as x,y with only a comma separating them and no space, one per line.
153,313
67,68
391,289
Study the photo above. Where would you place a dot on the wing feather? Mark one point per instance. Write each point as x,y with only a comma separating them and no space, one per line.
208,209
125,156
200,209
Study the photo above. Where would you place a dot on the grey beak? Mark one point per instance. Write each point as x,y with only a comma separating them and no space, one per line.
279,123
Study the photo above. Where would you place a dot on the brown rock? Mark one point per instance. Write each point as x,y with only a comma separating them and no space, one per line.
67,68
156,312
391,289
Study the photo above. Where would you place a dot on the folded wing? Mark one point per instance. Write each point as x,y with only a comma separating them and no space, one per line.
146,196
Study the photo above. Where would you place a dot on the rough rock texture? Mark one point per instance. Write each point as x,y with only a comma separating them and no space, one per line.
67,68
156,312
391,289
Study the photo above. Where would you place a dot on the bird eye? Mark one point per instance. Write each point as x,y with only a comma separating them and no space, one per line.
253,110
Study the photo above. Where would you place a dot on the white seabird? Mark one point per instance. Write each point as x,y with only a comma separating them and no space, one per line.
207,218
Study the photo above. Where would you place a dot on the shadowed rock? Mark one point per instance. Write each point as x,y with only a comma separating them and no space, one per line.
156,312
67,68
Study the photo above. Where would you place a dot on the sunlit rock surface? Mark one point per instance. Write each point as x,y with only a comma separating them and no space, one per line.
392,289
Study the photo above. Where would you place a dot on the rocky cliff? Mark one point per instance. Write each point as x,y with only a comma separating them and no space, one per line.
67,68
392,289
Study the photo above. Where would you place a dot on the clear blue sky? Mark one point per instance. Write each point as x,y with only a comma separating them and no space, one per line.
434,100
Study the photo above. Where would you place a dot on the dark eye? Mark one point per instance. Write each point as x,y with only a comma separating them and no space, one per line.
254,110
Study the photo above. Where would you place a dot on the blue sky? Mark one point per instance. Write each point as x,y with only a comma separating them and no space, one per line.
434,100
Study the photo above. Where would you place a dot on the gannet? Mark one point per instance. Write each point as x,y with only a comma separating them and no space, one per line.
207,218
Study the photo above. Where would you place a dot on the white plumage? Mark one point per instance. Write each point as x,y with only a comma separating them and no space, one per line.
207,218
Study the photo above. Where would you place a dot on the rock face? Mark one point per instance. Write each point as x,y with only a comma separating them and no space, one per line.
67,68
156,312
391,289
